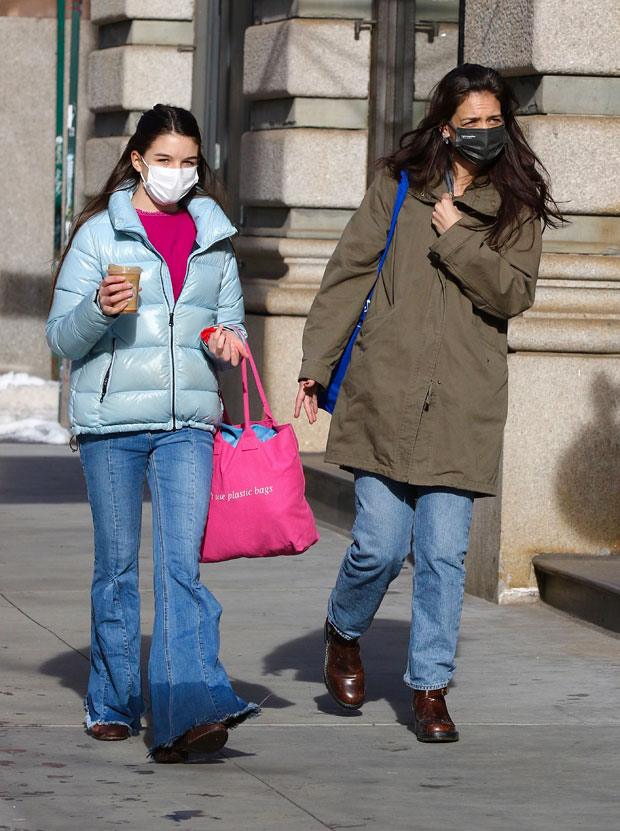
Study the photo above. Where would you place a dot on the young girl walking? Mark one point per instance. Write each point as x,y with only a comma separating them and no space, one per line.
144,402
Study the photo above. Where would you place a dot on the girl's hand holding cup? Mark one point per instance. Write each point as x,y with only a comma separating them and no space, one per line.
118,291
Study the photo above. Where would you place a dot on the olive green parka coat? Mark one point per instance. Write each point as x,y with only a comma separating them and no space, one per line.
424,399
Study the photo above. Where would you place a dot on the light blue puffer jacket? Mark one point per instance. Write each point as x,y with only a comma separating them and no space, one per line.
144,371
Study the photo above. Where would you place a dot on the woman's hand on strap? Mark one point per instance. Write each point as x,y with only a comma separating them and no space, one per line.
227,346
306,397
445,214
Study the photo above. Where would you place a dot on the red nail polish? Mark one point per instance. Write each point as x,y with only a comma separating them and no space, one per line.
206,333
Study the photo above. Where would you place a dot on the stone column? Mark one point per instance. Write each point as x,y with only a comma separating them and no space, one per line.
560,479
303,172
144,58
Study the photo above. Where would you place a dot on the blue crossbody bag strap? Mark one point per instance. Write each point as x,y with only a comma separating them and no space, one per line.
327,397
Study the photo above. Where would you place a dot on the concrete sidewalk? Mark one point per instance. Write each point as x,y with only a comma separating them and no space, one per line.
535,699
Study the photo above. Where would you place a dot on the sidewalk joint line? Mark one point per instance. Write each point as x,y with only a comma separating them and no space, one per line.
366,725
47,629
275,790
599,724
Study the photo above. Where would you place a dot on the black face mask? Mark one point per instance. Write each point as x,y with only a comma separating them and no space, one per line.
480,146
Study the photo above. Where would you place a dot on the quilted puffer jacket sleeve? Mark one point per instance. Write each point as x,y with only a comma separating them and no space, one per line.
230,303
76,322
231,311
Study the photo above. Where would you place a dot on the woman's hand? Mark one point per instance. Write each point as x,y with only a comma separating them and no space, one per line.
227,346
445,215
114,294
306,396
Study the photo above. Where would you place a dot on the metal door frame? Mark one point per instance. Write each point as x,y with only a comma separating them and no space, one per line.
217,90
392,74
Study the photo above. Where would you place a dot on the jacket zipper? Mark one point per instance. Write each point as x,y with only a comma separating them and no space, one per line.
427,400
174,413
106,379
171,325
170,318
429,391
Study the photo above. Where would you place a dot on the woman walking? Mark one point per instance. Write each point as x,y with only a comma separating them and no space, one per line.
421,411
144,402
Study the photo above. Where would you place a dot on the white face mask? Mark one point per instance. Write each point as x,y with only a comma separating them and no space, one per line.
165,185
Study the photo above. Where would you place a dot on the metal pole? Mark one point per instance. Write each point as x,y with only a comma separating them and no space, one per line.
461,46
59,144
391,77
76,13
205,86
58,151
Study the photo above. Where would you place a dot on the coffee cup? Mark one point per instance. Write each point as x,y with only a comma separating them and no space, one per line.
131,273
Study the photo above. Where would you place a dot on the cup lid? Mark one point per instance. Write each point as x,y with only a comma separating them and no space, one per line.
123,269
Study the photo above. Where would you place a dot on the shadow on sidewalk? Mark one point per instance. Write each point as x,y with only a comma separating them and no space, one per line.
45,480
42,479
384,653
72,670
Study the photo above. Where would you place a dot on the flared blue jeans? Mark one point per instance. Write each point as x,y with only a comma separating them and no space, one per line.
188,685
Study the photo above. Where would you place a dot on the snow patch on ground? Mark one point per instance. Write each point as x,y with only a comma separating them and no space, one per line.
29,410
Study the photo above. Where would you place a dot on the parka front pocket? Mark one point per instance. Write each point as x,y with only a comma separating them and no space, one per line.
491,331
373,354
106,378
372,324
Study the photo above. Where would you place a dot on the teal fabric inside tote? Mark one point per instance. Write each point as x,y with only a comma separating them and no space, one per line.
233,434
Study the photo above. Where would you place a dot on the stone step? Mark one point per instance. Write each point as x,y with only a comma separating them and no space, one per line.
586,586
329,490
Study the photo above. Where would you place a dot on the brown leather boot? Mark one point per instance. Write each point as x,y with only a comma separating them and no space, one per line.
109,732
205,738
343,671
169,755
431,720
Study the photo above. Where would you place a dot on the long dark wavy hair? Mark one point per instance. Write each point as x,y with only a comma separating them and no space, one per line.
162,119
518,175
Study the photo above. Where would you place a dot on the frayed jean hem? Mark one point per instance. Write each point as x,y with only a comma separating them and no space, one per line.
230,722
89,722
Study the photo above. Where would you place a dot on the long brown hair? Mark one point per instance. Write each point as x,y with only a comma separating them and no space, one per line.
161,119
518,175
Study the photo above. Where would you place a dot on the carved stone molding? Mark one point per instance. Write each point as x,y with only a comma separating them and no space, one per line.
281,275
577,307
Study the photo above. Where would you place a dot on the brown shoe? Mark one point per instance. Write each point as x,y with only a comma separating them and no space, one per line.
343,670
109,732
169,755
431,720
206,738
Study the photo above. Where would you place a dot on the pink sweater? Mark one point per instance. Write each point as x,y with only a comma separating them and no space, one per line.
173,235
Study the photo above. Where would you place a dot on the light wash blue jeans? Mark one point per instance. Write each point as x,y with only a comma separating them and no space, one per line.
188,684
390,516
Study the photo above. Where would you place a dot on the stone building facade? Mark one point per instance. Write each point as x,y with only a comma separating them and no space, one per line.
281,88
560,481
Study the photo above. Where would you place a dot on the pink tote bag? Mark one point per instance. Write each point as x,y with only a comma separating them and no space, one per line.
258,506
